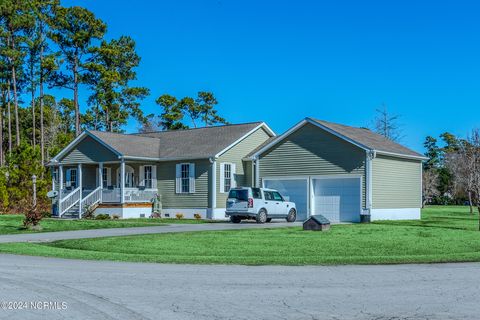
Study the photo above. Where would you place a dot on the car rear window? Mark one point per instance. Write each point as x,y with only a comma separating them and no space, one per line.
239,194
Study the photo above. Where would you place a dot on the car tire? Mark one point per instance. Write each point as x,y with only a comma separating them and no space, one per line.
235,219
269,219
292,215
261,216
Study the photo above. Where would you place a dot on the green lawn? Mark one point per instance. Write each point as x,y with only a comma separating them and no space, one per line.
10,224
445,234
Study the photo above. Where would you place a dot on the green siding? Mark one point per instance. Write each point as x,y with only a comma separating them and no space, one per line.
235,155
88,151
311,151
396,183
166,185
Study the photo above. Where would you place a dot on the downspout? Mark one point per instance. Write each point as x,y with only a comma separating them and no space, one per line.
370,155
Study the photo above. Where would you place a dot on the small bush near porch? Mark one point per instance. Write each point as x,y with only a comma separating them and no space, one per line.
445,234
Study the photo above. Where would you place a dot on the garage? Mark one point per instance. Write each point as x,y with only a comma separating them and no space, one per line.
337,199
293,189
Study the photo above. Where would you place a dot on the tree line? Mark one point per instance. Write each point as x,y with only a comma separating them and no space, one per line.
48,50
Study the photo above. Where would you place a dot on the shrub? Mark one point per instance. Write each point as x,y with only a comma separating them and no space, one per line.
32,219
102,216
88,214
115,217
179,216
197,216
46,214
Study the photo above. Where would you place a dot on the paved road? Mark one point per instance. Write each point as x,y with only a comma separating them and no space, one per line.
97,233
113,290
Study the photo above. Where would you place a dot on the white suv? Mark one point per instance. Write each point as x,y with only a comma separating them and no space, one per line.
260,204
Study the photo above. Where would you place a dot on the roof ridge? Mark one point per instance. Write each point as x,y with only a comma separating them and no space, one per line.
190,129
119,134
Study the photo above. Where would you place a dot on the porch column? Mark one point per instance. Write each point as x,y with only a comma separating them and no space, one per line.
79,178
60,181
100,179
122,181
213,191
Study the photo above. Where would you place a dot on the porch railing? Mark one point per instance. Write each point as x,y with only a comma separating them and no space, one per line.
137,195
111,195
70,200
91,199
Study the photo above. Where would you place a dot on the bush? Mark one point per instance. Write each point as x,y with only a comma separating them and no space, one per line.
88,214
46,214
32,219
197,216
102,216
115,217
179,216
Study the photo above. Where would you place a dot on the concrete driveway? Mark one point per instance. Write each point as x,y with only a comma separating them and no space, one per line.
97,233
114,290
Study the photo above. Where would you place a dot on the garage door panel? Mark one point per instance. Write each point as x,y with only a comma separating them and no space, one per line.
338,199
295,190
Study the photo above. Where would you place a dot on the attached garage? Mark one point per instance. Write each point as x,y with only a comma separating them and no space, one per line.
338,171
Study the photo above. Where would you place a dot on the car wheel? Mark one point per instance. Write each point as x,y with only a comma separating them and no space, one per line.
291,216
235,219
269,219
261,216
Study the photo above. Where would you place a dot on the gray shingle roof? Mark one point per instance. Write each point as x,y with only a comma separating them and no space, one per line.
198,143
367,138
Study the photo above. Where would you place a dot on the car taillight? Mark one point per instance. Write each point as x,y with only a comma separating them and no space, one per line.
250,202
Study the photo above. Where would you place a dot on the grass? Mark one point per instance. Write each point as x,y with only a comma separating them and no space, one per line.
12,224
445,234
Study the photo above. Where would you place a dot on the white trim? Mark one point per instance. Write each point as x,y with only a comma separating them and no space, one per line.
122,181
257,173
396,214
335,133
369,156
399,155
213,187
77,140
421,185
263,124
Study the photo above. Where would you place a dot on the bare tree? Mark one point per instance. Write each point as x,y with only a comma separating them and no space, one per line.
459,164
429,184
387,124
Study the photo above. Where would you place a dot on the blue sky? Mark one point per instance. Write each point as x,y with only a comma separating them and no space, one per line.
280,61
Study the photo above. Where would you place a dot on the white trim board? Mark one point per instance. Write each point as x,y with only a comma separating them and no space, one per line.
395,214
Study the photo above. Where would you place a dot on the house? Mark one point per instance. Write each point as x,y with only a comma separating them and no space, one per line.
119,174
341,172
326,168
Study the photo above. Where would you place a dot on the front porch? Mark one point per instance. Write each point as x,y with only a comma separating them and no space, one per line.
88,185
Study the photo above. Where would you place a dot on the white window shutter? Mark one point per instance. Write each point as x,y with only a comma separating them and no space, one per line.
178,178
154,177
233,173
192,177
141,176
109,177
222,177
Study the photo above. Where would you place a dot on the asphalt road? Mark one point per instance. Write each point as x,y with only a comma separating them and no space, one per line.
113,232
113,290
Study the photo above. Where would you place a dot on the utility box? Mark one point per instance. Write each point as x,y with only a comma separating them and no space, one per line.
316,223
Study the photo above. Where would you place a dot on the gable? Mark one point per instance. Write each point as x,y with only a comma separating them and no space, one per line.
88,150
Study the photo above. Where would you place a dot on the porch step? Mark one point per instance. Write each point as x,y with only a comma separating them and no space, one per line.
72,213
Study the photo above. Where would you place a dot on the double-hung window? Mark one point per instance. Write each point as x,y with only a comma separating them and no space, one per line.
227,177
147,176
73,178
185,176
105,177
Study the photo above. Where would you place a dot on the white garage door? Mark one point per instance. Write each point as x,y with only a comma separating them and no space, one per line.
295,190
338,199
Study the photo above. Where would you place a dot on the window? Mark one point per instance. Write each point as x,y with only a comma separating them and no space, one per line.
185,177
239,194
268,195
277,196
73,178
257,194
227,175
147,176
105,177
